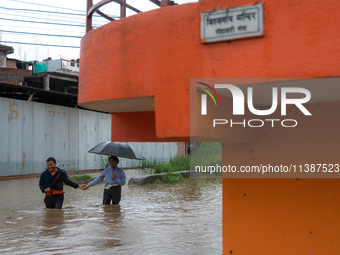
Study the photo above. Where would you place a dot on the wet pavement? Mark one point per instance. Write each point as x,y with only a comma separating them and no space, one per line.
182,218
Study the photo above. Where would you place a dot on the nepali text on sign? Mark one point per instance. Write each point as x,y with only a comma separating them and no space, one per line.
232,23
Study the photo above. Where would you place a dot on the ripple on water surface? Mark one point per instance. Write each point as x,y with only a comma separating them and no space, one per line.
152,219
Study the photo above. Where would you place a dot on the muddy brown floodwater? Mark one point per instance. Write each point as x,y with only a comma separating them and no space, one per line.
182,218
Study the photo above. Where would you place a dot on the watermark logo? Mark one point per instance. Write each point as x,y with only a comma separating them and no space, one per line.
239,99
204,97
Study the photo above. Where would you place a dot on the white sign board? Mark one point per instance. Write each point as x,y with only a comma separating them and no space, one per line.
232,23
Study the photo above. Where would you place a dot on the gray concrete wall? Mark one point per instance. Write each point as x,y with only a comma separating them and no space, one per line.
31,132
53,65
158,152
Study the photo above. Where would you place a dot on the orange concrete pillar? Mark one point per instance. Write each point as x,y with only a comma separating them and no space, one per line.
144,63
285,216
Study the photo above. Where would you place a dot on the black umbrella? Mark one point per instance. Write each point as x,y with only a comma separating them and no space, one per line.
122,150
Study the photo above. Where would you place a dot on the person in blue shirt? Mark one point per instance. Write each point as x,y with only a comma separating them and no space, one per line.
114,180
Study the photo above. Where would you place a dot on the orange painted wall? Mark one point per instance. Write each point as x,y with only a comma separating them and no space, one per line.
157,52
285,216
281,216
135,126
128,126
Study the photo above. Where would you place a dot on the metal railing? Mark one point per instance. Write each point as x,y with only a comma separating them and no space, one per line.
92,8
69,65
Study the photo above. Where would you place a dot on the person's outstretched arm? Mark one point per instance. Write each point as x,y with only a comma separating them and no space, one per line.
96,181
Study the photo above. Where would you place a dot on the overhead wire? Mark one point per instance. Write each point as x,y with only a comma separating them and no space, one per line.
41,44
49,29
52,12
67,21
71,18
42,11
80,18
29,33
55,7
43,18
40,22
50,6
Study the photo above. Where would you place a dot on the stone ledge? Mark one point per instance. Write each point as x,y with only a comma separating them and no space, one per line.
151,178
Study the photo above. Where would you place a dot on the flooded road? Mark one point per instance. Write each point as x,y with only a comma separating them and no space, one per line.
182,218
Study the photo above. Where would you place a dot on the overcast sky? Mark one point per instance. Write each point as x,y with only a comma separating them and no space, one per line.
35,28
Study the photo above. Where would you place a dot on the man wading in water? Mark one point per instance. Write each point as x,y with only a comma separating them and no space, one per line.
51,183
115,179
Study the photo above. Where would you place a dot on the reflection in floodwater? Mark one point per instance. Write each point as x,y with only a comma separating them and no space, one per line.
182,218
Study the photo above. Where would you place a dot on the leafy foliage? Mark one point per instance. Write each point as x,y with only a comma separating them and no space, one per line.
171,178
205,154
178,163
82,179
